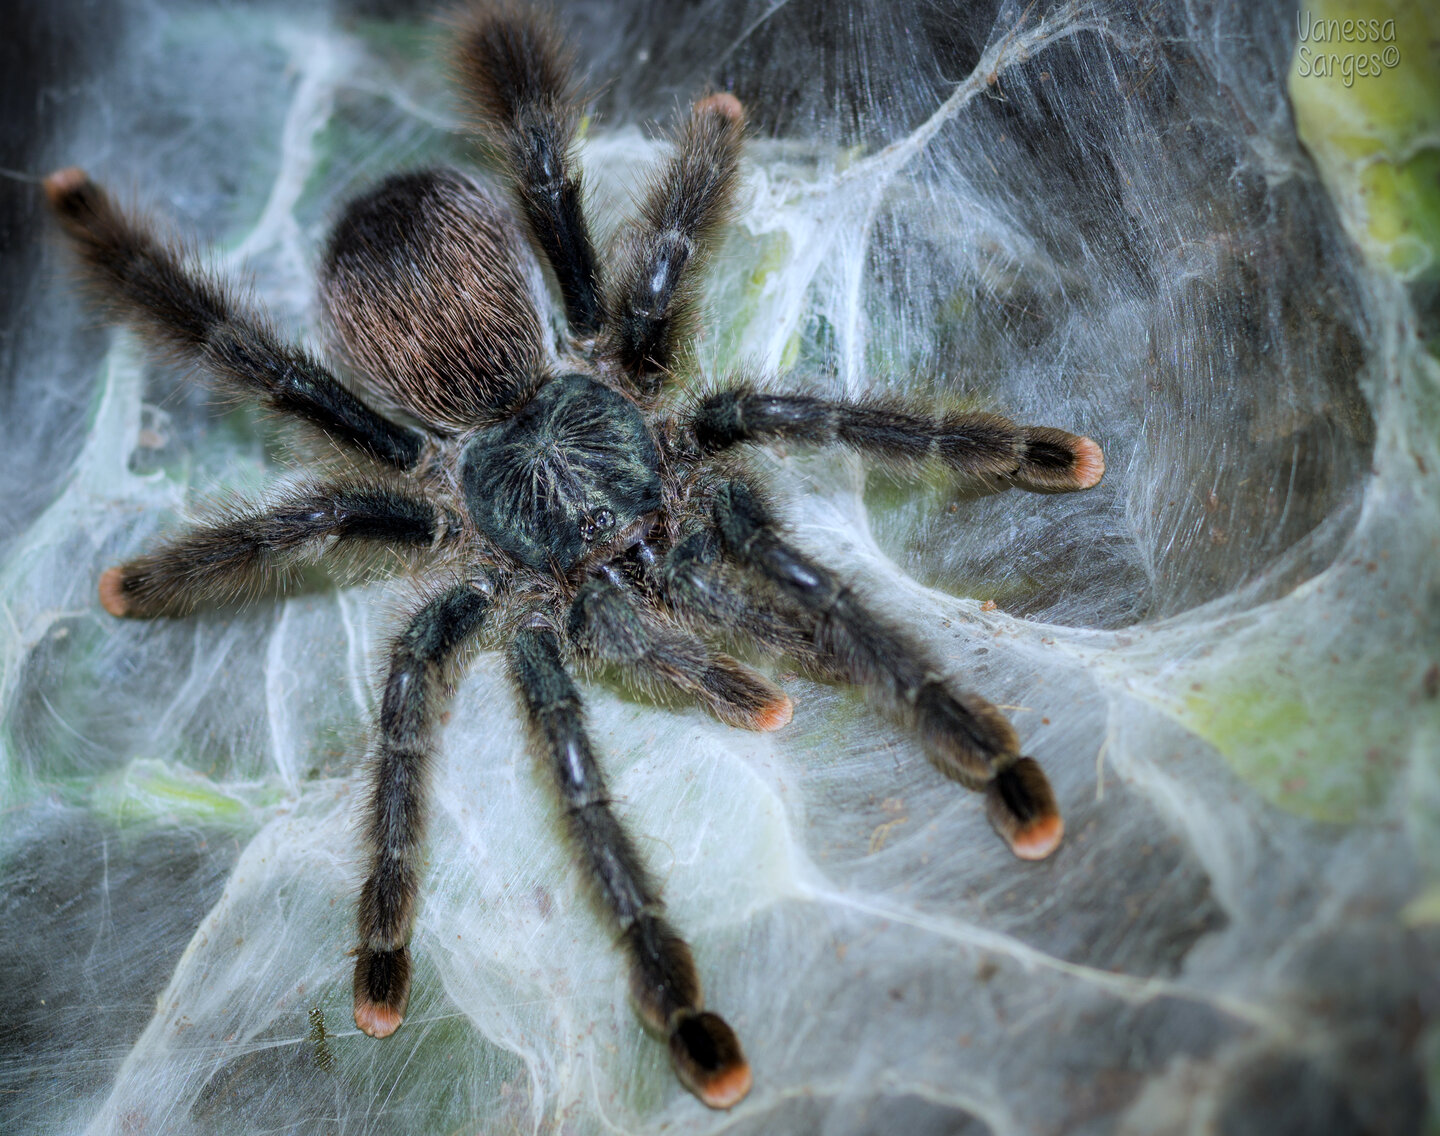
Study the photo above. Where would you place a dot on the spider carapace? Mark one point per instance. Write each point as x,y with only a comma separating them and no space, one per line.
559,501
575,466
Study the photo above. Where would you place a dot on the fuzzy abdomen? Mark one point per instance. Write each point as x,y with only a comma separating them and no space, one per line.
427,285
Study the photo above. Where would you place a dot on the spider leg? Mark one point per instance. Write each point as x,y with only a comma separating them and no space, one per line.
702,587
517,73
663,982
203,319
606,624
420,661
254,550
965,736
1041,459
652,293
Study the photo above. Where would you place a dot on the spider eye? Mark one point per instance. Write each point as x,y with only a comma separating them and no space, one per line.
596,524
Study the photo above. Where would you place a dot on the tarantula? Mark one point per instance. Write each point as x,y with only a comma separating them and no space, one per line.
562,500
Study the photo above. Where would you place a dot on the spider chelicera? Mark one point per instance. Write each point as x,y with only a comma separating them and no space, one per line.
562,501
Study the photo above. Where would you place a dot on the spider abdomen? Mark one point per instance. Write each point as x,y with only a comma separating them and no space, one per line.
573,468
428,285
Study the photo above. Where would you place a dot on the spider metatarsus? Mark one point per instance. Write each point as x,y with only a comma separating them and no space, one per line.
564,501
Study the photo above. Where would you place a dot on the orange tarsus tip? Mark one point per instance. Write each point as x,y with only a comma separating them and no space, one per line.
112,580
776,714
1039,838
1089,463
377,1019
724,102
60,185
726,1088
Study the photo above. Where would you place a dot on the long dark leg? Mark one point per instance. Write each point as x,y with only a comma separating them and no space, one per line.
607,624
517,73
1039,458
663,983
257,551
703,588
202,319
652,292
420,662
965,736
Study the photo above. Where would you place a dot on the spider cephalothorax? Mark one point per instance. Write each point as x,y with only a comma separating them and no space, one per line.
553,500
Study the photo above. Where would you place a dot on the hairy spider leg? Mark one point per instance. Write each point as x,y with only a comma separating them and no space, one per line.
421,662
699,583
1041,459
663,982
703,588
609,626
518,74
966,737
651,297
204,319
254,551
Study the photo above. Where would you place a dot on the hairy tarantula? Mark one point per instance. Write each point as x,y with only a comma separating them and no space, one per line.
560,500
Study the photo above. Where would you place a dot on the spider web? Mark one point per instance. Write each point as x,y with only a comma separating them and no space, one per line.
1078,214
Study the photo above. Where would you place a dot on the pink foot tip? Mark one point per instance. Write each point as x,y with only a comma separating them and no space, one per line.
775,715
1089,463
723,103
377,1019
62,183
1039,838
112,592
